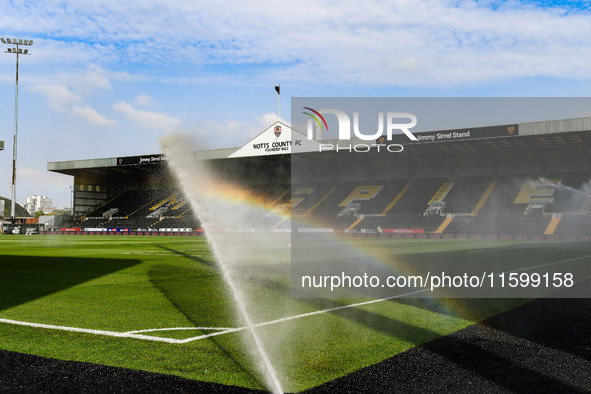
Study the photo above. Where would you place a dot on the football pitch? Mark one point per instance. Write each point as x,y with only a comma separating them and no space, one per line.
160,304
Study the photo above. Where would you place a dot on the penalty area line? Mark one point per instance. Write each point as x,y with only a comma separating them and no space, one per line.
302,315
226,330
180,329
223,330
91,331
550,263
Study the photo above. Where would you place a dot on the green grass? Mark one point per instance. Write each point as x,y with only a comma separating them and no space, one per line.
119,283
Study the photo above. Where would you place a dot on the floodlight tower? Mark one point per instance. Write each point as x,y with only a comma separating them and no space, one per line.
18,51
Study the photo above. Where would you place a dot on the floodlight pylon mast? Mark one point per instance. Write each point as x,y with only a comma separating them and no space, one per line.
15,50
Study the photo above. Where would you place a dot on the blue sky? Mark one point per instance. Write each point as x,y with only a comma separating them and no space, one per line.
111,78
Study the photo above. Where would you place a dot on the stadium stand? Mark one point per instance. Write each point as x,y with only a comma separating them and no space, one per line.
395,200
137,209
570,194
416,199
502,198
398,204
329,206
379,203
499,223
361,193
185,219
465,194
323,196
467,205
551,229
426,223
534,182
573,225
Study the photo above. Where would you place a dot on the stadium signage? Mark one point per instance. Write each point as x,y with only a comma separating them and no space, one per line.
277,139
461,134
344,129
403,231
131,160
276,146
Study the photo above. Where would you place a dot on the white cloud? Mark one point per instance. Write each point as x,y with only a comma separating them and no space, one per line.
94,78
30,173
59,97
62,99
92,116
415,43
88,55
233,133
143,100
146,119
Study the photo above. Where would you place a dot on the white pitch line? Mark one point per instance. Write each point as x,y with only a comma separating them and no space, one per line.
180,328
551,263
90,331
336,308
213,334
223,330
499,249
226,330
288,318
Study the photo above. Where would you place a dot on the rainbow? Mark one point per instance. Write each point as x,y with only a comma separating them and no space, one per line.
373,254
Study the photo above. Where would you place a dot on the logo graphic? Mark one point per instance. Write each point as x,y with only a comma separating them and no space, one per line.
388,121
277,131
344,123
511,129
315,118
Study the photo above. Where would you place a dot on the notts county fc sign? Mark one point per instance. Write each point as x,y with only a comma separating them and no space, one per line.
275,140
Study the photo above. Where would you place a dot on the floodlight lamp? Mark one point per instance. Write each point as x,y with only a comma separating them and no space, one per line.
20,41
26,51
30,42
8,41
3,40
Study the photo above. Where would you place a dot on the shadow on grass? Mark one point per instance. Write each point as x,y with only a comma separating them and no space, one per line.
478,356
199,293
538,347
502,370
206,262
26,278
